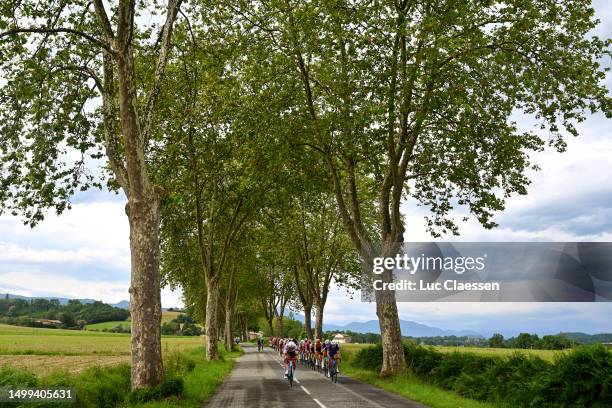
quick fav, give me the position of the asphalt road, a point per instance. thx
(257, 381)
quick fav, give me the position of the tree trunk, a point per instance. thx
(145, 296)
(246, 328)
(229, 340)
(281, 325)
(394, 361)
(308, 321)
(319, 321)
(212, 335)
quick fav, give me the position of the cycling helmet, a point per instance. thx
(334, 342)
(291, 346)
(327, 342)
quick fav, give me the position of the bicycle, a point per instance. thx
(290, 373)
(325, 368)
(333, 371)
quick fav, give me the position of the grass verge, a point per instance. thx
(189, 380)
(408, 386)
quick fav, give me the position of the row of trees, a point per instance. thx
(72, 314)
(265, 147)
(532, 341)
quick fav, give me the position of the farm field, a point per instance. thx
(548, 355)
(41, 349)
(166, 317)
(107, 325)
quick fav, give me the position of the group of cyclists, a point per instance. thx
(320, 354)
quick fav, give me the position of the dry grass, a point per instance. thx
(72, 364)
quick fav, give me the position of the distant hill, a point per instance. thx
(124, 304)
(585, 338)
(409, 328)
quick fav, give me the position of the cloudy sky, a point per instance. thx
(84, 253)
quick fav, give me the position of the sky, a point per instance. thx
(84, 253)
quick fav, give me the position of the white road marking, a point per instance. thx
(319, 402)
(304, 389)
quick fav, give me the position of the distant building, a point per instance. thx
(49, 322)
(255, 335)
(342, 338)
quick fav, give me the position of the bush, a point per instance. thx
(13, 377)
(581, 378)
(171, 385)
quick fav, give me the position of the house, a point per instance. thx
(342, 338)
(49, 322)
(255, 335)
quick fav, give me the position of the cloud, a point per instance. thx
(83, 253)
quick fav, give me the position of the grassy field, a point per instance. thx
(107, 325)
(166, 318)
(548, 355)
(43, 349)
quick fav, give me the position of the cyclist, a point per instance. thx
(291, 354)
(333, 352)
(318, 349)
(325, 352)
(301, 350)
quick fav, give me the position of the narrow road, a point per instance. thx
(257, 381)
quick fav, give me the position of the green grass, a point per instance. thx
(16, 340)
(107, 325)
(414, 389)
(166, 318)
(201, 383)
(548, 355)
(407, 385)
(110, 386)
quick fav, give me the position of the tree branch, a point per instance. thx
(60, 30)
(171, 13)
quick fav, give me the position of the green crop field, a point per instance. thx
(548, 355)
(166, 317)
(44, 349)
(107, 325)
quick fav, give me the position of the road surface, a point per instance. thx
(257, 381)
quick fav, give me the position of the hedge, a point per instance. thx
(579, 378)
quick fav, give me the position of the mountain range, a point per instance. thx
(409, 328)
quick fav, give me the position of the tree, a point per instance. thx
(323, 251)
(55, 60)
(221, 170)
(497, 340)
(410, 98)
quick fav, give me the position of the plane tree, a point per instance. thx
(417, 99)
(322, 251)
(79, 86)
(222, 168)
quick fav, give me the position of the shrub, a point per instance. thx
(580, 378)
(171, 385)
(13, 377)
